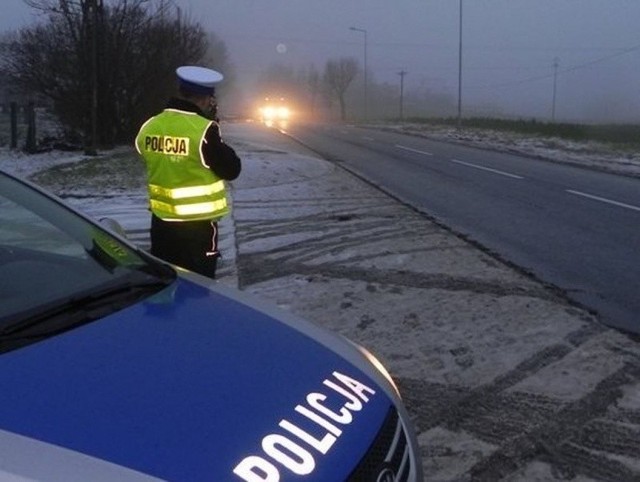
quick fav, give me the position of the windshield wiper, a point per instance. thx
(80, 308)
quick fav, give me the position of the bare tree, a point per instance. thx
(338, 75)
(105, 65)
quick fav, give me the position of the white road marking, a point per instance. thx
(368, 138)
(604, 200)
(495, 171)
(413, 150)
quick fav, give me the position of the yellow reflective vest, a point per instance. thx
(181, 186)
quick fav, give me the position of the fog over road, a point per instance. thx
(575, 228)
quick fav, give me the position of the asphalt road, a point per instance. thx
(575, 228)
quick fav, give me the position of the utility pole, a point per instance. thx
(460, 69)
(364, 31)
(402, 73)
(556, 63)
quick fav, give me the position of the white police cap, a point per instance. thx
(199, 80)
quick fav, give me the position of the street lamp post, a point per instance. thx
(365, 67)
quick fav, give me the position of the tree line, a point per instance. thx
(104, 66)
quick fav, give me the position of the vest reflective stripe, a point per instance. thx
(190, 209)
(186, 192)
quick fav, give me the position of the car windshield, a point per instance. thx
(54, 261)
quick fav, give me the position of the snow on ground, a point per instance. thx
(24, 165)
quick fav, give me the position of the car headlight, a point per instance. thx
(268, 112)
(283, 113)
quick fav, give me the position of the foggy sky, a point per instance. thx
(508, 47)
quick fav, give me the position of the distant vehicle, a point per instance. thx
(115, 366)
(275, 110)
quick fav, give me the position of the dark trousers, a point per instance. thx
(189, 244)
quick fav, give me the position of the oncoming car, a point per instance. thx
(275, 111)
(115, 366)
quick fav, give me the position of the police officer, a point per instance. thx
(187, 166)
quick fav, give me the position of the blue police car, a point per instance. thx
(114, 366)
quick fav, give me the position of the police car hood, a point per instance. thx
(191, 382)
